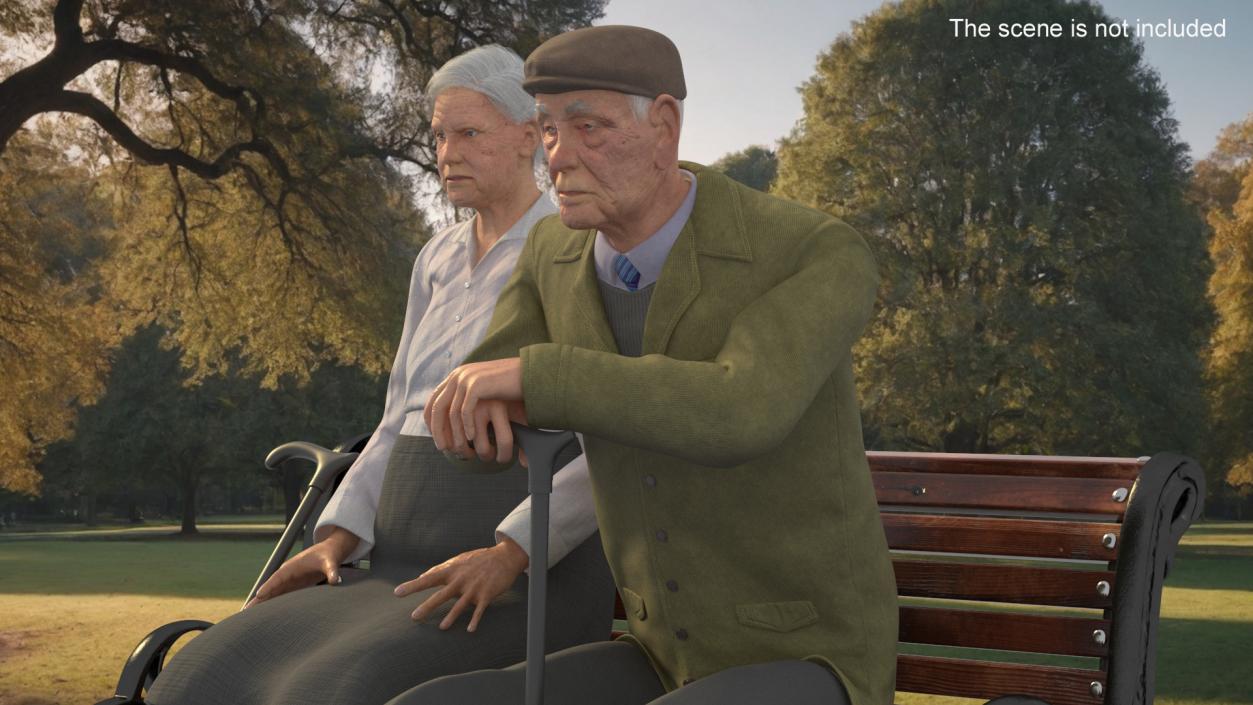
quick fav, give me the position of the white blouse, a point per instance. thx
(450, 306)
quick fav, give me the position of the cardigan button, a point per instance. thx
(681, 634)
(672, 585)
(662, 536)
(688, 680)
(650, 480)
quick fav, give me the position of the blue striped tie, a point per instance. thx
(626, 272)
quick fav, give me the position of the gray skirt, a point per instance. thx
(355, 642)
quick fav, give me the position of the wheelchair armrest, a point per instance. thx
(1016, 700)
(147, 660)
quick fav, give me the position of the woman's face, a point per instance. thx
(482, 157)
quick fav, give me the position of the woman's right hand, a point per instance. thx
(309, 567)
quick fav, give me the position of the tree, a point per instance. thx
(754, 166)
(154, 425)
(1224, 189)
(1043, 274)
(53, 334)
(256, 163)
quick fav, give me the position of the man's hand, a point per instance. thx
(476, 576)
(452, 413)
(309, 567)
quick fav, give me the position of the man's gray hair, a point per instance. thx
(640, 105)
(492, 70)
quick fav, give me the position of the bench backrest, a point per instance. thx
(1000, 559)
(1032, 575)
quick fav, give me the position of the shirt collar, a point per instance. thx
(650, 255)
(543, 206)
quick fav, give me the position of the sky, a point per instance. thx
(745, 59)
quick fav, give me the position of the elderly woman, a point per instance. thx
(364, 637)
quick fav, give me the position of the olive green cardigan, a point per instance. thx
(731, 485)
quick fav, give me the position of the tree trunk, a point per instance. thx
(961, 436)
(190, 483)
(87, 509)
(293, 483)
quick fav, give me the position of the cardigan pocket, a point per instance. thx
(777, 616)
(633, 603)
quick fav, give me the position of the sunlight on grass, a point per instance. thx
(70, 648)
(72, 610)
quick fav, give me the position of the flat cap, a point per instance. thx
(619, 58)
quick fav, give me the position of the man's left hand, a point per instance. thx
(450, 411)
(472, 578)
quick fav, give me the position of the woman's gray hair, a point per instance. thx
(492, 70)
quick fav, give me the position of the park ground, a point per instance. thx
(74, 602)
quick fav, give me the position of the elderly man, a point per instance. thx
(698, 334)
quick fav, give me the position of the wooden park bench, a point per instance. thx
(1022, 578)
(1072, 550)
(1032, 576)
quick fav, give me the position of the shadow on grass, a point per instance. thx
(1195, 570)
(243, 532)
(1204, 660)
(201, 567)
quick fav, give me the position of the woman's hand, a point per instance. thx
(473, 578)
(309, 567)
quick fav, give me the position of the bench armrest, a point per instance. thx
(147, 660)
(1166, 498)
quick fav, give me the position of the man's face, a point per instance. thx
(481, 155)
(600, 157)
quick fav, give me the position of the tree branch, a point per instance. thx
(65, 24)
(90, 107)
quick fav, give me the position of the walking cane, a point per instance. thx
(541, 449)
(330, 464)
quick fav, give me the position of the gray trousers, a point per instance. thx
(617, 673)
(354, 644)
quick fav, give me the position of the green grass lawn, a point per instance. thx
(74, 603)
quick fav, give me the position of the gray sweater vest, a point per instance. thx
(626, 311)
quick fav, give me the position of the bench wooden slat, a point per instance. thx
(1072, 636)
(984, 679)
(1032, 465)
(1074, 540)
(1003, 583)
(1046, 494)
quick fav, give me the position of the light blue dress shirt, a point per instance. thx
(648, 256)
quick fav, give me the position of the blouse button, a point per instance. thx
(457, 318)
(467, 285)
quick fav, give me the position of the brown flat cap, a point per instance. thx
(612, 58)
